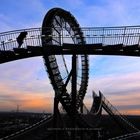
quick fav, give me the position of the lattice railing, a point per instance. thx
(126, 35)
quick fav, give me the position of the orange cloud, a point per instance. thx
(37, 95)
(37, 101)
(132, 112)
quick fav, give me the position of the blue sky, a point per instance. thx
(25, 82)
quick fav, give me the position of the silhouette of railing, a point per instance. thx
(111, 110)
(8, 40)
(128, 136)
(126, 35)
(25, 43)
(28, 129)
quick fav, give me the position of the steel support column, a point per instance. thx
(74, 93)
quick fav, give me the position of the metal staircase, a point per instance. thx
(117, 116)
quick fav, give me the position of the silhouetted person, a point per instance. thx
(20, 38)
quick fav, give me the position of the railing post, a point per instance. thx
(124, 35)
(139, 40)
(103, 37)
(74, 93)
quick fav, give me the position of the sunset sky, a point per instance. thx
(26, 83)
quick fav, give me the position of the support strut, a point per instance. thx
(74, 93)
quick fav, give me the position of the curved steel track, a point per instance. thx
(113, 112)
(57, 22)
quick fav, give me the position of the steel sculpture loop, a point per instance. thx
(56, 24)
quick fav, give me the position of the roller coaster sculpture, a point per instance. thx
(61, 38)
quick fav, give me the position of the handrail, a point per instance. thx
(126, 35)
(27, 129)
(108, 106)
(111, 110)
(126, 136)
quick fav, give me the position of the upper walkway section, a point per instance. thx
(98, 40)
